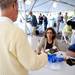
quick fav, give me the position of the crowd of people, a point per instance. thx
(43, 20)
(49, 39)
(34, 23)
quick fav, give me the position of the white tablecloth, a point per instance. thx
(62, 69)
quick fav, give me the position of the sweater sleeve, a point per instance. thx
(26, 56)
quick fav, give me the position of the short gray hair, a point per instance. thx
(6, 3)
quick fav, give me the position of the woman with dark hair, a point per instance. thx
(48, 41)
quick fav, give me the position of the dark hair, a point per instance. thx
(6, 3)
(53, 31)
(71, 23)
(31, 13)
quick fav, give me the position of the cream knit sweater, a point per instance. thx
(16, 55)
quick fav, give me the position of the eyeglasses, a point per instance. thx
(49, 33)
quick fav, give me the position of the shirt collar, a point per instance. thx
(3, 19)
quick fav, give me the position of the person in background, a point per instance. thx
(33, 23)
(66, 33)
(40, 19)
(72, 24)
(59, 21)
(45, 22)
(16, 55)
(71, 50)
(66, 17)
(48, 41)
(33, 19)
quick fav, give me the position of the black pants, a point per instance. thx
(45, 27)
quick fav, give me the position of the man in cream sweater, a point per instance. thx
(16, 56)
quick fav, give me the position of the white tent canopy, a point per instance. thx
(50, 5)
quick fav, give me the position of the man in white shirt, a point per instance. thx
(16, 56)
